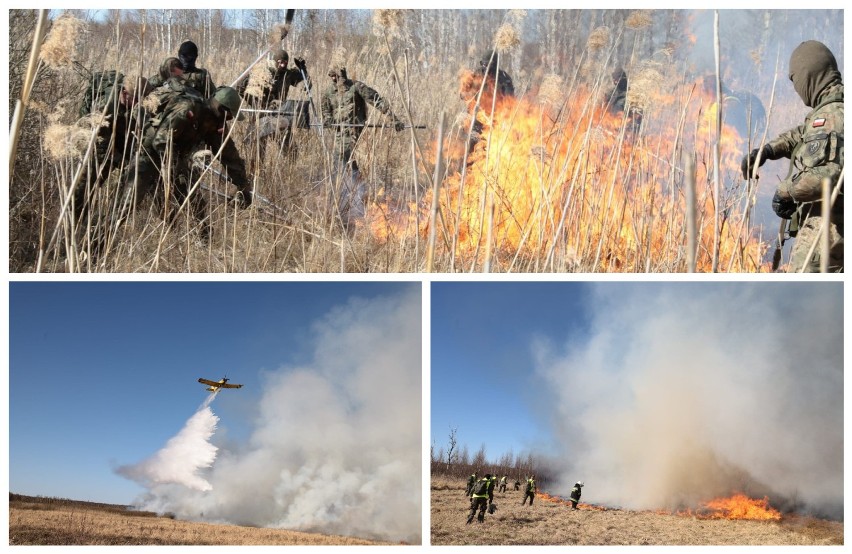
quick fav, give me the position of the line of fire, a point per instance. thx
(557, 178)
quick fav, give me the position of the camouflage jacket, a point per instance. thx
(348, 104)
(188, 125)
(121, 122)
(815, 149)
(280, 87)
(199, 79)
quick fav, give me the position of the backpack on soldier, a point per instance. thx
(101, 86)
(161, 100)
(481, 487)
(173, 88)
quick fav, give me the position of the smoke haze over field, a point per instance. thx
(686, 392)
(335, 447)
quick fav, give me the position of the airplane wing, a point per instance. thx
(230, 386)
(208, 382)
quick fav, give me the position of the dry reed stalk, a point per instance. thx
(691, 229)
(436, 187)
(717, 147)
(29, 80)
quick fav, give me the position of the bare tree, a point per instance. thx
(451, 448)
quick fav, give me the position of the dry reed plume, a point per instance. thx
(59, 48)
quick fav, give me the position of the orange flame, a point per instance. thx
(738, 506)
(582, 185)
(565, 502)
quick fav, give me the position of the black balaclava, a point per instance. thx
(188, 53)
(813, 68)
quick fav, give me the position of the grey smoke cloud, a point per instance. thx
(690, 391)
(336, 444)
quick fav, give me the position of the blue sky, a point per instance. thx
(482, 379)
(103, 374)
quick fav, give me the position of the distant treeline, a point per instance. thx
(516, 467)
(52, 502)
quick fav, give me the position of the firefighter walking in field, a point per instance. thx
(344, 108)
(529, 491)
(815, 150)
(481, 498)
(503, 484)
(576, 492)
(470, 482)
(183, 125)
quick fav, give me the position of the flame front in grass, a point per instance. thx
(569, 185)
(563, 502)
(740, 506)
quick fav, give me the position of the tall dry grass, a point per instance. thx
(299, 229)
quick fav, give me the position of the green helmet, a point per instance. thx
(229, 99)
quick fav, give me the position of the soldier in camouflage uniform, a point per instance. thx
(815, 150)
(114, 144)
(344, 107)
(281, 79)
(274, 95)
(187, 124)
(197, 77)
(171, 68)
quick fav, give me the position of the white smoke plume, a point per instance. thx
(336, 444)
(183, 457)
(685, 392)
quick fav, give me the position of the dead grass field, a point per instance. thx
(548, 523)
(35, 522)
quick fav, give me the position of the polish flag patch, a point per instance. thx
(819, 122)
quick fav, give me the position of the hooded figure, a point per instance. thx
(196, 77)
(815, 150)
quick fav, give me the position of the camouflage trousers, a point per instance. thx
(529, 495)
(808, 235)
(145, 179)
(478, 503)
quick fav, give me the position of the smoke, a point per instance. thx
(687, 392)
(183, 457)
(335, 446)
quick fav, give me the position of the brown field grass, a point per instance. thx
(548, 523)
(45, 521)
(552, 215)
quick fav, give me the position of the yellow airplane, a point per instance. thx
(216, 385)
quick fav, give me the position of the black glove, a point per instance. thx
(243, 198)
(398, 125)
(300, 64)
(783, 207)
(750, 160)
